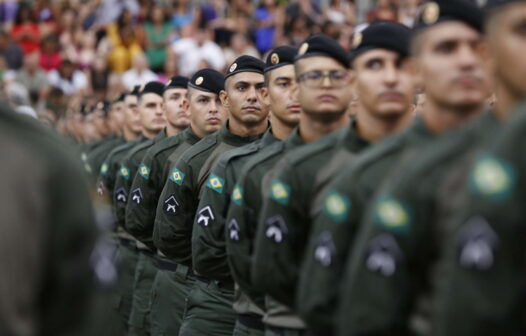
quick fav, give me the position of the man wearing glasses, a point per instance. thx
(322, 69)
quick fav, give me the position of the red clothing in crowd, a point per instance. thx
(27, 36)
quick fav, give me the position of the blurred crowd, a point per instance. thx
(59, 58)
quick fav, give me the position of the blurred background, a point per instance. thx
(58, 58)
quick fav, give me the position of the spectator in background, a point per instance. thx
(407, 12)
(239, 45)
(123, 53)
(158, 35)
(384, 11)
(18, 97)
(8, 9)
(183, 14)
(269, 20)
(10, 51)
(139, 74)
(99, 78)
(110, 10)
(307, 10)
(67, 33)
(87, 52)
(170, 69)
(341, 12)
(193, 52)
(33, 78)
(50, 58)
(297, 31)
(26, 31)
(70, 80)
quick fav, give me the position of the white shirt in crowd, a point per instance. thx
(78, 81)
(132, 77)
(191, 54)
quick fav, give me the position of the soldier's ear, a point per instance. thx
(223, 96)
(413, 65)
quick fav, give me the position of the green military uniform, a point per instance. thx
(126, 255)
(484, 254)
(242, 217)
(176, 210)
(397, 251)
(96, 157)
(284, 221)
(336, 216)
(47, 232)
(208, 239)
(144, 271)
(167, 296)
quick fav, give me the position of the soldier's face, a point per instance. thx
(450, 66)
(176, 112)
(131, 113)
(323, 87)
(117, 114)
(243, 98)
(281, 96)
(207, 114)
(384, 83)
(507, 44)
(151, 110)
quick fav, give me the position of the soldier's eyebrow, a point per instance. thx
(283, 78)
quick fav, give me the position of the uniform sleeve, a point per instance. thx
(68, 285)
(140, 210)
(332, 233)
(175, 214)
(121, 192)
(278, 252)
(208, 238)
(384, 269)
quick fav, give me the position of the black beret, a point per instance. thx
(134, 91)
(177, 82)
(382, 35)
(152, 87)
(208, 80)
(245, 63)
(119, 98)
(323, 45)
(494, 4)
(102, 106)
(438, 11)
(279, 57)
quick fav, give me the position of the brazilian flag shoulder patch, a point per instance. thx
(177, 176)
(392, 214)
(124, 172)
(144, 171)
(337, 206)
(216, 183)
(492, 177)
(237, 195)
(280, 192)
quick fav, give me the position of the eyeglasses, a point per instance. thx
(315, 78)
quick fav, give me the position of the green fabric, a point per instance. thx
(284, 332)
(304, 173)
(490, 299)
(180, 196)
(150, 179)
(96, 157)
(208, 241)
(208, 311)
(397, 248)
(129, 166)
(110, 166)
(243, 212)
(127, 258)
(332, 232)
(47, 232)
(168, 301)
(145, 272)
(156, 52)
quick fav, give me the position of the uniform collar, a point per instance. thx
(294, 139)
(235, 140)
(189, 135)
(350, 138)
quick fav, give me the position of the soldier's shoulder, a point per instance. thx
(263, 155)
(202, 147)
(310, 151)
